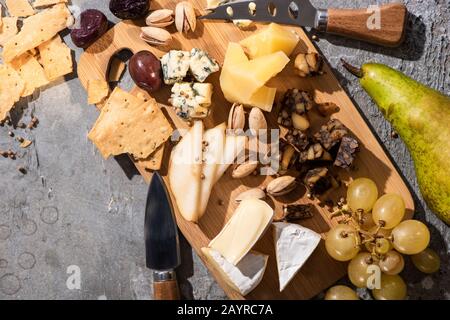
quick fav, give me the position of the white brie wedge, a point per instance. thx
(294, 244)
(245, 276)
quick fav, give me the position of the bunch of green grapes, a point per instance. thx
(372, 232)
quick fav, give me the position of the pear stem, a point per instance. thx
(352, 69)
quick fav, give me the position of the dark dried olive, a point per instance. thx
(129, 9)
(93, 24)
(145, 70)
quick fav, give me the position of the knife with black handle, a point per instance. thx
(381, 24)
(161, 241)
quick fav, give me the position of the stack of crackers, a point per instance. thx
(35, 55)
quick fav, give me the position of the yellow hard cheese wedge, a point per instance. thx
(243, 80)
(272, 39)
(243, 230)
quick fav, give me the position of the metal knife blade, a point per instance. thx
(297, 12)
(161, 233)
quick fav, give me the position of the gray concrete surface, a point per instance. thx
(75, 209)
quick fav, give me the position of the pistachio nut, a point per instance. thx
(244, 170)
(255, 193)
(156, 36)
(236, 118)
(185, 17)
(256, 120)
(160, 18)
(281, 186)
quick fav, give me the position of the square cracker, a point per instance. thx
(19, 8)
(45, 3)
(8, 29)
(31, 73)
(126, 125)
(154, 161)
(56, 58)
(98, 91)
(11, 88)
(36, 30)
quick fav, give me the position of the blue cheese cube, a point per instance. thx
(191, 100)
(175, 66)
(202, 65)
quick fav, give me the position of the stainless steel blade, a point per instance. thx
(296, 12)
(161, 233)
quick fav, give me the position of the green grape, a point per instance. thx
(357, 269)
(392, 263)
(392, 288)
(381, 233)
(390, 210)
(427, 261)
(382, 246)
(411, 237)
(362, 194)
(342, 242)
(341, 293)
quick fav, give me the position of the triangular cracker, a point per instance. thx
(126, 125)
(19, 8)
(31, 73)
(8, 30)
(56, 58)
(11, 88)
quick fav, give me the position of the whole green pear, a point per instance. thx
(421, 116)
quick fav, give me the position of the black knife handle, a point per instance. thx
(165, 286)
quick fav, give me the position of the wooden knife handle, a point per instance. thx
(166, 290)
(362, 24)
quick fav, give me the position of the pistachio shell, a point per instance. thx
(281, 186)
(160, 18)
(256, 120)
(185, 17)
(156, 36)
(236, 118)
(244, 170)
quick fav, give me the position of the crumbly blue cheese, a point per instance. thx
(191, 100)
(175, 66)
(202, 65)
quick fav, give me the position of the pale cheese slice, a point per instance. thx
(234, 149)
(213, 145)
(294, 244)
(243, 230)
(185, 169)
(245, 276)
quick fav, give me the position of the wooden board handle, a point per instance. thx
(166, 290)
(361, 24)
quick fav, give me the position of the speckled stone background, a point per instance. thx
(75, 209)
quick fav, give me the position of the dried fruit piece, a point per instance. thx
(331, 134)
(288, 159)
(318, 181)
(93, 24)
(281, 186)
(346, 154)
(309, 64)
(295, 212)
(129, 9)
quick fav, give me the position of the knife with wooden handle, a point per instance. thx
(381, 24)
(161, 241)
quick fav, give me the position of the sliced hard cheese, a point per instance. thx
(263, 98)
(293, 246)
(234, 148)
(213, 145)
(243, 230)
(185, 171)
(245, 276)
(272, 39)
(234, 55)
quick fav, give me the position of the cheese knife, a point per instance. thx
(161, 241)
(381, 24)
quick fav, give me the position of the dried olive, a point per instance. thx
(93, 24)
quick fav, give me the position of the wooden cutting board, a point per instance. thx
(320, 271)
